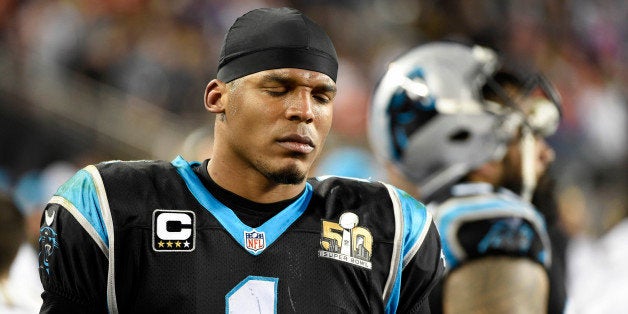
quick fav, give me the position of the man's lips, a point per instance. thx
(297, 143)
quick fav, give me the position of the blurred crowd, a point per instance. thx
(162, 53)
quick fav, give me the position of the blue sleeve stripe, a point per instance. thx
(83, 222)
(416, 225)
(86, 192)
(79, 192)
(105, 211)
(412, 222)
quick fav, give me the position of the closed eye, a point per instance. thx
(324, 94)
(276, 93)
(275, 90)
(323, 99)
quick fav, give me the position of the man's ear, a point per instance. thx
(215, 96)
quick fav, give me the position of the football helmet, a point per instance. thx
(430, 118)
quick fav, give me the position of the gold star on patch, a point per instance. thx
(169, 243)
(177, 244)
(160, 243)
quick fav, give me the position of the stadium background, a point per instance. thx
(83, 81)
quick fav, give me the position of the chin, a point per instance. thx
(293, 172)
(287, 176)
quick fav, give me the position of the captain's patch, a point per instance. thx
(174, 230)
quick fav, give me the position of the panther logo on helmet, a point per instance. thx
(429, 116)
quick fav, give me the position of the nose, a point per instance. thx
(300, 107)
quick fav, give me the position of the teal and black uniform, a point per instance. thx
(152, 236)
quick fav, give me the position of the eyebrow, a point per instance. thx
(284, 80)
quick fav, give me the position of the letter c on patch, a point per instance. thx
(183, 234)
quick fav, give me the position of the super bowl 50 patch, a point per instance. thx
(174, 230)
(344, 241)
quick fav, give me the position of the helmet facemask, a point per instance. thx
(536, 106)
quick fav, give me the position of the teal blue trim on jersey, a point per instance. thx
(542, 256)
(447, 219)
(81, 192)
(271, 229)
(514, 200)
(510, 207)
(415, 223)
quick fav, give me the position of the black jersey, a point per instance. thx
(149, 237)
(477, 222)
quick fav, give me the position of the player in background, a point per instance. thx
(465, 135)
(244, 231)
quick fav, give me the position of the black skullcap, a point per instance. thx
(274, 38)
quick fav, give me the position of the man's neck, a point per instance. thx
(251, 184)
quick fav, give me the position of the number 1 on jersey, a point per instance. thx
(254, 294)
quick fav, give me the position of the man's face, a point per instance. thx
(277, 121)
(541, 119)
(511, 165)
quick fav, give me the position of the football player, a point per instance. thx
(244, 231)
(465, 134)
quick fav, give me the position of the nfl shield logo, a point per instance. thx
(254, 241)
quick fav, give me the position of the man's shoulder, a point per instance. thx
(348, 186)
(492, 201)
(132, 164)
(372, 196)
(341, 179)
(330, 182)
(489, 207)
(133, 168)
(492, 223)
